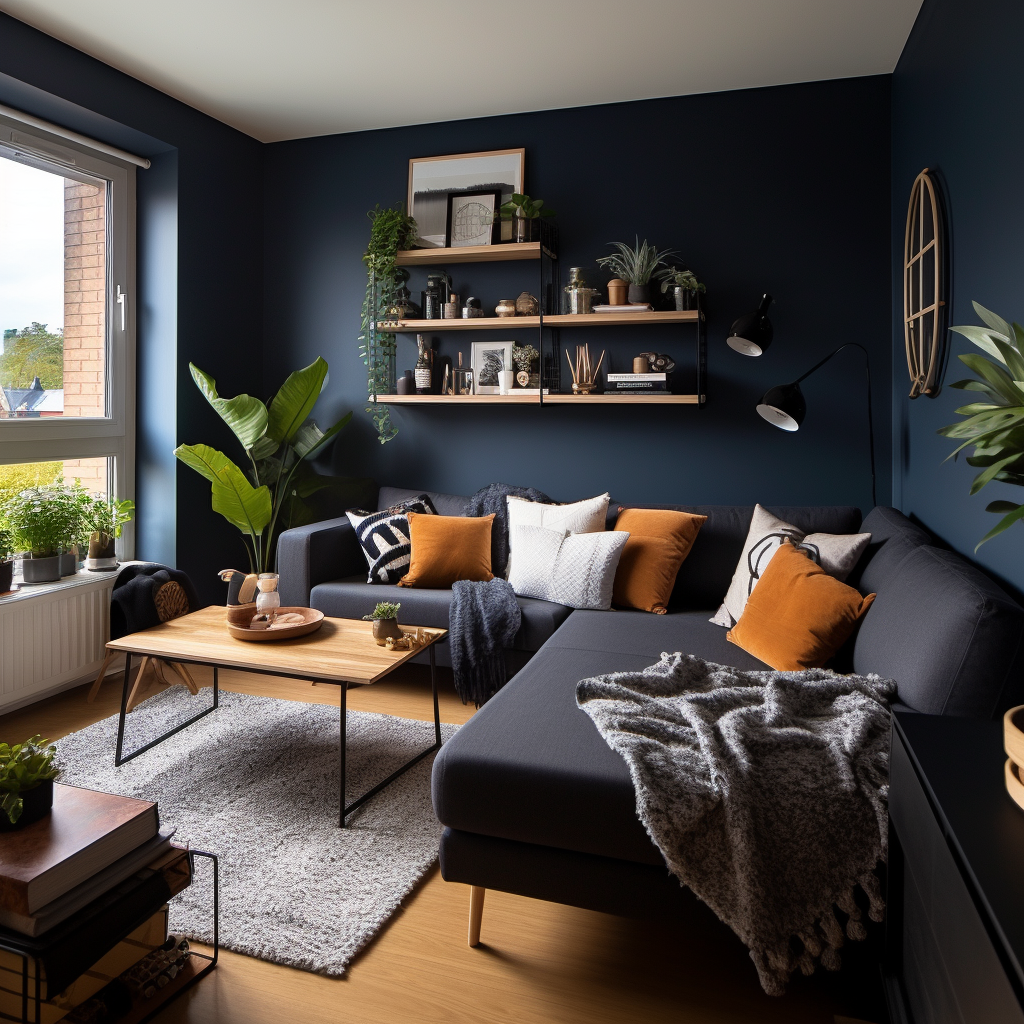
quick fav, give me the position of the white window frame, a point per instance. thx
(52, 439)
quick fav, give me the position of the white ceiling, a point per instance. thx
(314, 67)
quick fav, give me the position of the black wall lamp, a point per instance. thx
(752, 334)
(783, 406)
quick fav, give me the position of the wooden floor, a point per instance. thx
(539, 963)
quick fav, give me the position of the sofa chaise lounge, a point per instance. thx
(533, 800)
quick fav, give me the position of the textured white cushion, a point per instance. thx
(836, 553)
(575, 569)
(587, 516)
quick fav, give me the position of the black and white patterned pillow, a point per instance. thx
(384, 537)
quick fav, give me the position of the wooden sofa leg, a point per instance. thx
(476, 912)
(99, 679)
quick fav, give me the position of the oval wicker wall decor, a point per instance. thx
(924, 297)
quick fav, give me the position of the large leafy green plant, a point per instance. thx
(391, 229)
(23, 767)
(994, 425)
(277, 439)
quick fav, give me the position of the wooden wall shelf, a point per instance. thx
(471, 254)
(507, 323)
(514, 399)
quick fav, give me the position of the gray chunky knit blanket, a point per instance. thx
(766, 793)
(493, 498)
(482, 623)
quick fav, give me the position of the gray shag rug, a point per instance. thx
(256, 783)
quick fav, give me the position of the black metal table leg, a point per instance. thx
(436, 745)
(341, 753)
(119, 756)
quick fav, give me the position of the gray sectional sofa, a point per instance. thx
(532, 799)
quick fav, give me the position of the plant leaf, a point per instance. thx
(1002, 506)
(246, 507)
(1004, 524)
(310, 437)
(994, 375)
(989, 474)
(245, 415)
(994, 320)
(293, 403)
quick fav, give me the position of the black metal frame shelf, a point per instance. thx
(550, 323)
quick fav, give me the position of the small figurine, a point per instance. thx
(527, 304)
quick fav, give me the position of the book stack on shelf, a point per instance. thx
(83, 911)
(635, 383)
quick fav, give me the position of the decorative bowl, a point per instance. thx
(312, 620)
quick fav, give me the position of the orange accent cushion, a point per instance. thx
(797, 616)
(448, 548)
(659, 541)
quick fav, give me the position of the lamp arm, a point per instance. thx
(871, 428)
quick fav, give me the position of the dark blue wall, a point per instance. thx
(200, 253)
(785, 190)
(958, 95)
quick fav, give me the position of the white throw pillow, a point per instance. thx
(575, 569)
(588, 516)
(836, 553)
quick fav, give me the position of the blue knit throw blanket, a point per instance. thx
(484, 620)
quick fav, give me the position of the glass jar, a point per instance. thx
(268, 600)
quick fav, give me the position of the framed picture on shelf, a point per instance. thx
(489, 358)
(431, 178)
(473, 218)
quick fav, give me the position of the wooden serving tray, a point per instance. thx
(312, 621)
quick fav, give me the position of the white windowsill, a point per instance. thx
(83, 578)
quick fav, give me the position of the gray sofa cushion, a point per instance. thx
(353, 598)
(705, 575)
(446, 504)
(946, 633)
(893, 537)
(530, 766)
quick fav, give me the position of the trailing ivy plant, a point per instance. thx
(994, 425)
(391, 229)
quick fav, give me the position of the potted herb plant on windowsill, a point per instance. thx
(105, 521)
(635, 265)
(27, 772)
(42, 520)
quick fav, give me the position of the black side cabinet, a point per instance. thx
(955, 933)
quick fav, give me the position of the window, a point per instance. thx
(67, 355)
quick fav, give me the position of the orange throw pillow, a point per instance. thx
(448, 548)
(659, 541)
(797, 616)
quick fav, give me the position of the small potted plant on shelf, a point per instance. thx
(525, 214)
(105, 521)
(636, 265)
(42, 521)
(27, 772)
(6, 561)
(683, 284)
(385, 621)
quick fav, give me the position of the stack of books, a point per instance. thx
(635, 383)
(83, 895)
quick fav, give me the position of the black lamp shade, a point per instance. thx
(752, 334)
(783, 406)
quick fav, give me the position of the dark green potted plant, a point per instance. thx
(636, 265)
(525, 214)
(27, 772)
(994, 424)
(385, 621)
(683, 285)
(104, 524)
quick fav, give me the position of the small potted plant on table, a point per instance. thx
(385, 621)
(27, 772)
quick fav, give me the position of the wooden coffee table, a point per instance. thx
(342, 652)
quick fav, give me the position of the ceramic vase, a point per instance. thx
(383, 628)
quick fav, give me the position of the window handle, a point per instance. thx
(122, 301)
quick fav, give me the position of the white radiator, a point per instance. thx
(52, 637)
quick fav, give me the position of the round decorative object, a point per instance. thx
(527, 304)
(924, 287)
(523, 378)
(309, 620)
(171, 601)
(506, 307)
